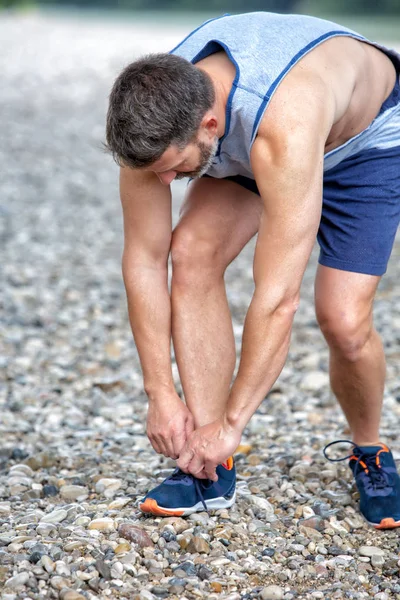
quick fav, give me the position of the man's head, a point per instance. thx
(159, 114)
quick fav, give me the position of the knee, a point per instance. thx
(345, 332)
(195, 257)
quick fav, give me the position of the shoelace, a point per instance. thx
(379, 478)
(179, 475)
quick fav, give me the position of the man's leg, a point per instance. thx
(218, 218)
(344, 303)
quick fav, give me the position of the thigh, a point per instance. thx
(361, 211)
(344, 299)
(219, 213)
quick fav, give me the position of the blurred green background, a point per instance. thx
(351, 7)
(370, 17)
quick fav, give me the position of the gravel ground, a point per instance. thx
(74, 457)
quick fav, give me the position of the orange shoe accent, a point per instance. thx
(150, 506)
(384, 449)
(388, 523)
(228, 464)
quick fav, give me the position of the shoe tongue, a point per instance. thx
(370, 450)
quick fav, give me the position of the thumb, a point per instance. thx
(178, 442)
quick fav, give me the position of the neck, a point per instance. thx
(222, 73)
(221, 100)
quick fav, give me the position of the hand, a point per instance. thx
(169, 424)
(208, 447)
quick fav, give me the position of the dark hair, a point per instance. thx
(156, 101)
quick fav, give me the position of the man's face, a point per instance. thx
(193, 161)
(207, 153)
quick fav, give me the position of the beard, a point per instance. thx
(207, 154)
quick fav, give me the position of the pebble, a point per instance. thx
(272, 592)
(370, 551)
(135, 534)
(74, 492)
(198, 544)
(50, 490)
(262, 503)
(378, 560)
(119, 503)
(314, 381)
(56, 516)
(103, 524)
(71, 595)
(108, 486)
(313, 522)
(18, 580)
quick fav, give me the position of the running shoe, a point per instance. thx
(377, 481)
(181, 494)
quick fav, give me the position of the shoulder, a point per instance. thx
(302, 108)
(294, 129)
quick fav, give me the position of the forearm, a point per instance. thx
(149, 309)
(265, 345)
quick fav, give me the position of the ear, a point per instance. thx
(209, 125)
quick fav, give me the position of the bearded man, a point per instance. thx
(289, 127)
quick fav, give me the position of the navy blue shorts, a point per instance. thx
(361, 204)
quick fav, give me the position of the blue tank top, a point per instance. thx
(263, 47)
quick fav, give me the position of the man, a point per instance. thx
(295, 123)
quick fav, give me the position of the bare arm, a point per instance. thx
(146, 205)
(287, 163)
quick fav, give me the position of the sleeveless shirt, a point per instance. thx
(264, 47)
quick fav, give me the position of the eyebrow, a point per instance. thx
(173, 168)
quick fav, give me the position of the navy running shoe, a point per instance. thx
(377, 481)
(181, 494)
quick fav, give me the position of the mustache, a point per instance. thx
(189, 174)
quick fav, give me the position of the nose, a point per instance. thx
(167, 177)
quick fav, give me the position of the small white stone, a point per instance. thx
(377, 560)
(5, 508)
(47, 563)
(62, 569)
(74, 492)
(18, 580)
(106, 482)
(55, 517)
(370, 551)
(262, 503)
(119, 503)
(117, 570)
(314, 381)
(103, 524)
(23, 469)
(45, 529)
(19, 479)
(82, 521)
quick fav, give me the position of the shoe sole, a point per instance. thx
(388, 523)
(150, 506)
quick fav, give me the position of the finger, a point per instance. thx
(184, 458)
(196, 465)
(201, 475)
(169, 445)
(156, 446)
(161, 444)
(178, 443)
(210, 470)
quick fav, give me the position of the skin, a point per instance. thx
(342, 84)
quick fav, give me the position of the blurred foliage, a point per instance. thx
(316, 7)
